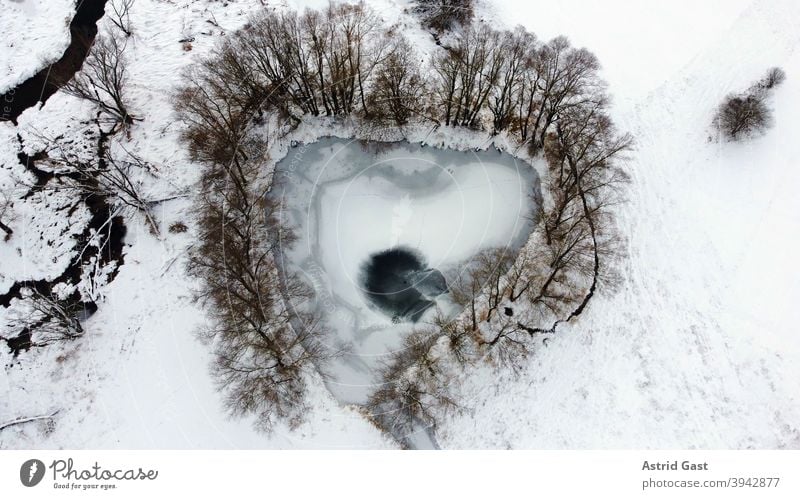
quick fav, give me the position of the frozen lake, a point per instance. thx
(381, 226)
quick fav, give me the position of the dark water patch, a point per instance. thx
(42, 85)
(20, 342)
(399, 283)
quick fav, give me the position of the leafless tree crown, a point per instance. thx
(745, 114)
(103, 78)
(444, 15)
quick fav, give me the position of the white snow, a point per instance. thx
(640, 44)
(698, 347)
(44, 222)
(140, 376)
(35, 34)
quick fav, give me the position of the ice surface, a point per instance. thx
(350, 201)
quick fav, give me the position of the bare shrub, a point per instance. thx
(51, 318)
(774, 77)
(444, 15)
(742, 115)
(747, 114)
(178, 228)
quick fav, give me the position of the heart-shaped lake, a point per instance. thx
(382, 227)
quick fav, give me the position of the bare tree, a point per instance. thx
(337, 62)
(273, 50)
(354, 50)
(398, 93)
(573, 247)
(510, 88)
(122, 179)
(465, 290)
(103, 78)
(447, 69)
(217, 104)
(467, 74)
(584, 183)
(415, 387)
(524, 87)
(319, 62)
(479, 284)
(568, 77)
(120, 15)
(265, 346)
(462, 341)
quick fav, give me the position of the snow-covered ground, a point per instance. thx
(698, 348)
(35, 34)
(140, 377)
(349, 201)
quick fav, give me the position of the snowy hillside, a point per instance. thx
(696, 347)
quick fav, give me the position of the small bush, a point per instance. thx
(747, 114)
(444, 15)
(178, 228)
(742, 115)
(774, 77)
